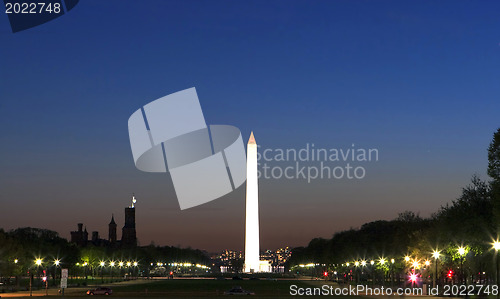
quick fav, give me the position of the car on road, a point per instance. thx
(100, 291)
(238, 291)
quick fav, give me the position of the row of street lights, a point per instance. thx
(415, 263)
(436, 254)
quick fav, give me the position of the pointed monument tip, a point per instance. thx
(251, 140)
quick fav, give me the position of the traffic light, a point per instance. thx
(325, 274)
(450, 274)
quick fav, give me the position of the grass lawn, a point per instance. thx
(209, 288)
(181, 287)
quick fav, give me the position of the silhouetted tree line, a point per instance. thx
(20, 248)
(472, 221)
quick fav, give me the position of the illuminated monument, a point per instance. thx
(252, 247)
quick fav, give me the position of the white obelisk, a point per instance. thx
(252, 248)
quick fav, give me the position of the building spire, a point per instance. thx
(112, 219)
(251, 140)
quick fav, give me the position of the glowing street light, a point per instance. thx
(102, 264)
(120, 264)
(407, 258)
(372, 262)
(135, 264)
(427, 263)
(392, 261)
(461, 250)
(363, 263)
(415, 264)
(16, 261)
(356, 263)
(347, 264)
(129, 264)
(436, 254)
(38, 262)
(57, 262)
(382, 261)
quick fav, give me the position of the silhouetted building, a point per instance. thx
(112, 230)
(85, 236)
(128, 231)
(95, 237)
(129, 238)
(80, 237)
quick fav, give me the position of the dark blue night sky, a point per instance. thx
(417, 80)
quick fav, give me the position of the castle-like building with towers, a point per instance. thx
(129, 237)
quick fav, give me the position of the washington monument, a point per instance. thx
(252, 246)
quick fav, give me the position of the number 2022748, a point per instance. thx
(32, 8)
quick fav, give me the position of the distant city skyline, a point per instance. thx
(416, 81)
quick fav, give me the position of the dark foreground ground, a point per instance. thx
(203, 287)
(185, 288)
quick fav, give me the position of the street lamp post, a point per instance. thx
(372, 263)
(112, 264)
(436, 255)
(496, 246)
(461, 251)
(382, 262)
(120, 264)
(129, 264)
(392, 272)
(427, 263)
(38, 263)
(17, 276)
(45, 278)
(102, 264)
(349, 273)
(356, 264)
(31, 281)
(406, 269)
(57, 262)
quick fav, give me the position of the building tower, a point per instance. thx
(128, 231)
(252, 247)
(95, 237)
(85, 236)
(80, 237)
(112, 230)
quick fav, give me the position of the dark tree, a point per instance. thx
(494, 173)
